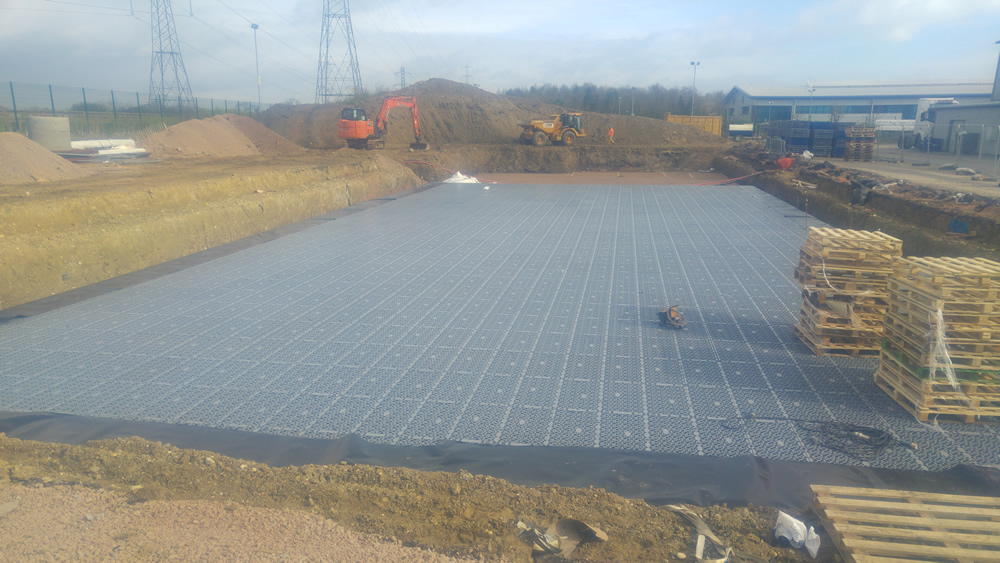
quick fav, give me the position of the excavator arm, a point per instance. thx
(383, 116)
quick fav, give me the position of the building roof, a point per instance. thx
(949, 107)
(918, 88)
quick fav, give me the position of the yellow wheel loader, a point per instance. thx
(562, 129)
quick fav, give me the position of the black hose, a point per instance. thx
(863, 443)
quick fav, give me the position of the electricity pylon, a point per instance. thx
(168, 79)
(338, 77)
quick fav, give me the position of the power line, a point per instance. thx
(234, 11)
(311, 58)
(422, 26)
(227, 64)
(89, 6)
(289, 22)
(13, 8)
(240, 70)
(337, 80)
(249, 49)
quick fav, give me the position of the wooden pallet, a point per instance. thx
(824, 296)
(828, 239)
(841, 317)
(823, 346)
(856, 280)
(933, 275)
(985, 391)
(971, 403)
(854, 132)
(886, 525)
(924, 372)
(921, 344)
(842, 259)
(976, 339)
(918, 353)
(957, 301)
(920, 316)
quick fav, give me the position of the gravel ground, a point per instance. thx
(78, 523)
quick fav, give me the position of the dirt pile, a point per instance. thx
(23, 161)
(455, 113)
(73, 522)
(219, 137)
(456, 513)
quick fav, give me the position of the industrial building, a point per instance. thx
(846, 102)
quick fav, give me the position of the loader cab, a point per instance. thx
(353, 114)
(572, 120)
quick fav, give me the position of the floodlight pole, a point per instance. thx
(694, 83)
(256, 62)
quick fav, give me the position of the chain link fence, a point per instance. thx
(95, 113)
(975, 146)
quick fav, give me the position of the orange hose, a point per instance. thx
(729, 180)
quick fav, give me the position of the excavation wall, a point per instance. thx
(54, 240)
(923, 226)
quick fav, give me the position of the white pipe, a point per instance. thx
(996, 155)
(982, 137)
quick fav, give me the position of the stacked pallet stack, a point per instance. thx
(844, 276)
(943, 311)
(798, 136)
(860, 144)
(821, 140)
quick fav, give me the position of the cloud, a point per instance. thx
(895, 20)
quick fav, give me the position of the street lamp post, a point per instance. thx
(811, 90)
(694, 83)
(256, 60)
(619, 105)
(633, 101)
(769, 111)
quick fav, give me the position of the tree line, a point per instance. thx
(653, 101)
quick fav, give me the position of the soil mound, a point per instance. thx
(218, 137)
(23, 161)
(267, 141)
(455, 113)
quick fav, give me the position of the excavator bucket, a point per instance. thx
(419, 146)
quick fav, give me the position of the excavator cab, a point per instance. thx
(355, 128)
(353, 114)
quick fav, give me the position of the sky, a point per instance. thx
(106, 44)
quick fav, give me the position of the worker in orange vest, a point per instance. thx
(611, 135)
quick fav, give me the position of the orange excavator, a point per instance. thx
(357, 130)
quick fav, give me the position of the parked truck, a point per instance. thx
(914, 133)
